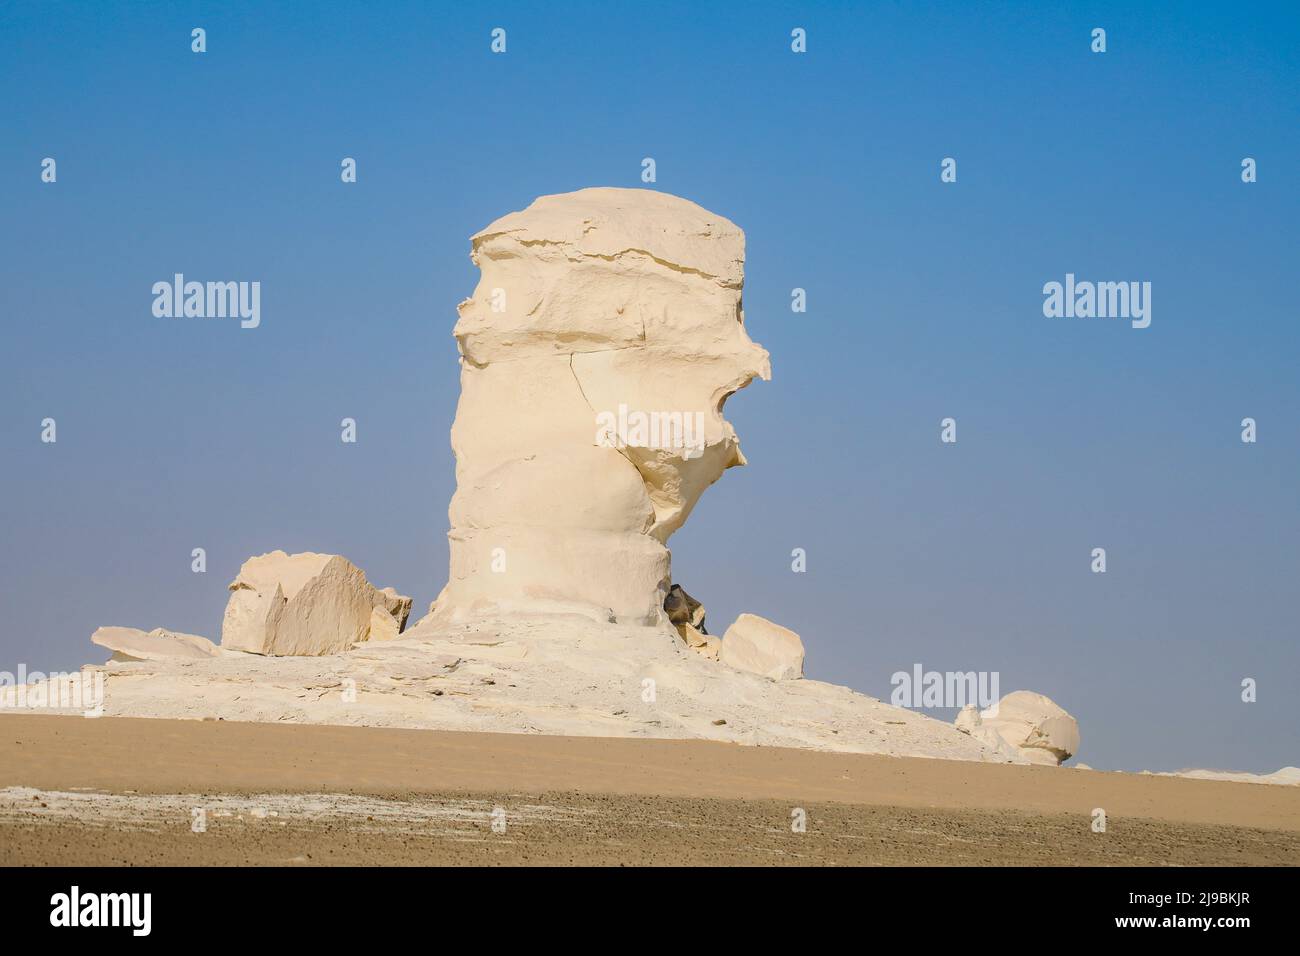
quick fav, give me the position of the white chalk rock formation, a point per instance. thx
(604, 335)
(968, 718)
(132, 644)
(596, 353)
(534, 675)
(303, 604)
(397, 605)
(700, 642)
(1284, 777)
(1032, 725)
(970, 722)
(757, 645)
(383, 626)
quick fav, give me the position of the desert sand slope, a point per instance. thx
(122, 791)
(1285, 777)
(152, 756)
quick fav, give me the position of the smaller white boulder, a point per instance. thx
(132, 644)
(1037, 727)
(756, 645)
(304, 605)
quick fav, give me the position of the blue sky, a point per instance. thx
(924, 301)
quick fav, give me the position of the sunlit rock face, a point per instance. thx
(604, 335)
(306, 604)
(1031, 725)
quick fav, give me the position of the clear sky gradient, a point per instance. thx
(924, 301)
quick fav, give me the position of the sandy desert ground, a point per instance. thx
(77, 791)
